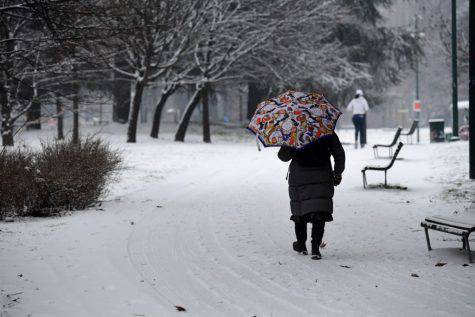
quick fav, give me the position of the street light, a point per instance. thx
(455, 120)
(472, 88)
(417, 103)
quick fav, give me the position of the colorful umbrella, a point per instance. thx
(294, 119)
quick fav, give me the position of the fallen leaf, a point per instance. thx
(179, 308)
(414, 275)
(440, 264)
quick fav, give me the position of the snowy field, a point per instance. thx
(206, 227)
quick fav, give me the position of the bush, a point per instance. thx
(61, 176)
(17, 182)
(73, 176)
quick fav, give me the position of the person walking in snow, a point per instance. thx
(311, 187)
(359, 106)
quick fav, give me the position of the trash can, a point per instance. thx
(436, 128)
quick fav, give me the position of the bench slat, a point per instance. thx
(451, 223)
(438, 227)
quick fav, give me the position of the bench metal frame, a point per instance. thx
(381, 168)
(411, 131)
(448, 227)
(389, 146)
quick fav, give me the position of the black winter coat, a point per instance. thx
(311, 183)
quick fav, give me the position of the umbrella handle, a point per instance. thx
(257, 143)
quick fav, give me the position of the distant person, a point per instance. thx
(359, 106)
(311, 187)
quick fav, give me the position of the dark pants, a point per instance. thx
(359, 121)
(318, 228)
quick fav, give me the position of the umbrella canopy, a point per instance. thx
(294, 119)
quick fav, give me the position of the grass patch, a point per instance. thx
(388, 186)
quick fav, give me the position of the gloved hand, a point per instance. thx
(336, 179)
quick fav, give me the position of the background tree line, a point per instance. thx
(50, 50)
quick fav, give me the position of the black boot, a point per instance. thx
(301, 235)
(316, 255)
(318, 228)
(300, 247)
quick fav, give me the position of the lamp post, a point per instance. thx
(471, 113)
(417, 103)
(455, 115)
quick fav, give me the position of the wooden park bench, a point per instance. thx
(411, 131)
(454, 226)
(389, 146)
(381, 168)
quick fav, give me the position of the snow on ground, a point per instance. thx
(206, 227)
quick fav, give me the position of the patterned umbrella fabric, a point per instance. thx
(294, 118)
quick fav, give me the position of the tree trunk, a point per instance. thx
(7, 133)
(60, 118)
(76, 113)
(256, 94)
(33, 115)
(6, 86)
(158, 111)
(6, 124)
(205, 121)
(121, 105)
(185, 119)
(134, 112)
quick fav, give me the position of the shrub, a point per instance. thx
(17, 181)
(73, 176)
(61, 176)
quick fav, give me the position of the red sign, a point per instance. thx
(417, 105)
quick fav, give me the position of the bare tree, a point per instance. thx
(262, 41)
(19, 65)
(38, 42)
(147, 39)
(230, 31)
(304, 48)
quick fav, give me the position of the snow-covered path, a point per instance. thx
(206, 227)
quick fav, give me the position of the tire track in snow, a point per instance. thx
(265, 286)
(238, 264)
(228, 273)
(149, 259)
